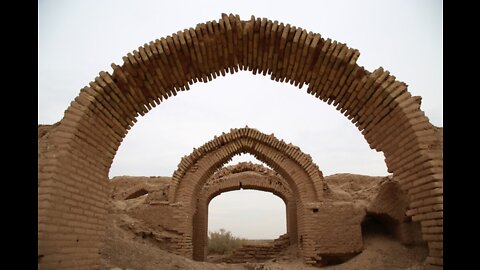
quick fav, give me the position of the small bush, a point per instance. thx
(223, 242)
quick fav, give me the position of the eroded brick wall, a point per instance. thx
(259, 253)
(332, 228)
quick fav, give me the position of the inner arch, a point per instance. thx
(244, 175)
(296, 167)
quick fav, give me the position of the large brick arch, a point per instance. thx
(73, 172)
(244, 175)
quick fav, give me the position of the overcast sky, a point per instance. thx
(78, 39)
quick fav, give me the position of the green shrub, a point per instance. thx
(223, 242)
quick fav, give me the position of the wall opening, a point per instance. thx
(378, 224)
(382, 232)
(258, 217)
(251, 214)
(137, 194)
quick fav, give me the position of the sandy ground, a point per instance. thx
(125, 250)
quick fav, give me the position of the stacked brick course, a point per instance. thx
(259, 253)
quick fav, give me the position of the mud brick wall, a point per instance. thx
(259, 253)
(332, 236)
(125, 187)
(71, 207)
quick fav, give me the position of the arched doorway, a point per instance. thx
(302, 175)
(240, 176)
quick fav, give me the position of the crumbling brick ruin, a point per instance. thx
(244, 175)
(76, 154)
(379, 198)
(341, 234)
(259, 253)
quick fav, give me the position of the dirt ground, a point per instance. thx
(126, 250)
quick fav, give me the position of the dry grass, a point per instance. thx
(223, 242)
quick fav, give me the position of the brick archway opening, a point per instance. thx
(300, 174)
(244, 175)
(259, 226)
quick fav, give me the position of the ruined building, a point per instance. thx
(75, 154)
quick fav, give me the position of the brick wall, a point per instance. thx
(259, 253)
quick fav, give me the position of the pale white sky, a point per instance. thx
(261, 216)
(78, 39)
